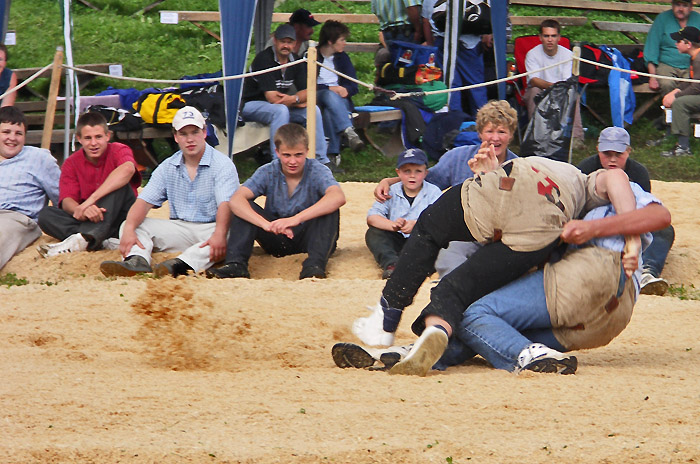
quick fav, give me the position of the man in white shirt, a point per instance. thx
(548, 53)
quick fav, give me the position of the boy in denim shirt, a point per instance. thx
(391, 222)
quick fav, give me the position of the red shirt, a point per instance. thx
(80, 178)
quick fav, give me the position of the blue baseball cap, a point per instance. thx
(412, 156)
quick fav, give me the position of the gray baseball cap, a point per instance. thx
(613, 139)
(285, 31)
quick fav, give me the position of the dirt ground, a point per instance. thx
(137, 370)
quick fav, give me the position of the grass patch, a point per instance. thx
(683, 292)
(11, 280)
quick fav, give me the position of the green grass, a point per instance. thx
(148, 49)
(11, 280)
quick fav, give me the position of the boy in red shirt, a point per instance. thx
(98, 185)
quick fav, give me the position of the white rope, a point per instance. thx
(629, 71)
(187, 81)
(352, 79)
(26, 81)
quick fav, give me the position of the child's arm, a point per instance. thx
(381, 192)
(383, 223)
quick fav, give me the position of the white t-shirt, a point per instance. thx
(538, 59)
(325, 77)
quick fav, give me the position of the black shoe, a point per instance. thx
(131, 266)
(173, 267)
(334, 169)
(312, 271)
(388, 271)
(350, 355)
(229, 271)
(676, 151)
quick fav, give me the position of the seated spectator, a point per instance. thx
(301, 214)
(333, 94)
(391, 222)
(660, 51)
(197, 182)
(98, 185)
(8, 78)
(28, 177)
(684, 101)
(303, 23)
(614, 153)
(548, 53)
(278, 97)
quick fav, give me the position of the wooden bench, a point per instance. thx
(390, 147)
(619, 7)
(83, 78)
(627, 29)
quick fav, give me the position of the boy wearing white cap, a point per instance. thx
(197, 182)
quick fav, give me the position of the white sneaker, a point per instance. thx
(652, 285)
(371, 329)
(75, 242)
(540, 358)
(110, 244)
(425, 353)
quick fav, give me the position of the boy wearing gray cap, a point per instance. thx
(391, 222)
(613, 152)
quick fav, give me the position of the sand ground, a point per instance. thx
(195, 370)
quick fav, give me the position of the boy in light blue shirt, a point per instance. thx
(391, 222)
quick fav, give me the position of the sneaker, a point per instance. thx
(229, 271)
(427, 350)
(676, 151)
(312, 271)
(172, 267)
(131, 266)
(110, 244)
(334, 168)
(354, 141)
(75, 242)
(388, 271)
(371, 329)
(350, 355)
(652, 285)
(540, 358)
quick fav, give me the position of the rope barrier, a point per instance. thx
(187, 81)
(26, 81)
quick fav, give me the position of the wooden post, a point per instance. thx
(311, 99)
(53, 96)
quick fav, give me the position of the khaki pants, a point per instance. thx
(17, 232)
(668, 85)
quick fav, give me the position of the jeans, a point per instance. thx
(654, 257)
(385, 245)
(469, 70)
(336, 117)
(318, 237)
(503, 323)
(277, 116)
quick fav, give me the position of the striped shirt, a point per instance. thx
(27, 179)
(392, 12)
(193, 200)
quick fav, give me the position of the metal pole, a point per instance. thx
(311, 99)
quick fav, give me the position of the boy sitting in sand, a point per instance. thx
(300, 215)
(391, 222)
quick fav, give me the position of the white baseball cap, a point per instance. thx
(188, 116)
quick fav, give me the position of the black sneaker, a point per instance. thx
(350, 355)
(308, 272)
(229, 271)
(131, 266)
(173, 267)
(388, 271)
(334, 168)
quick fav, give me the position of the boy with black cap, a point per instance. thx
(684, 100)
(391, 222)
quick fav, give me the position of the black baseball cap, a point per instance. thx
(302, 16)
(689, 33)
